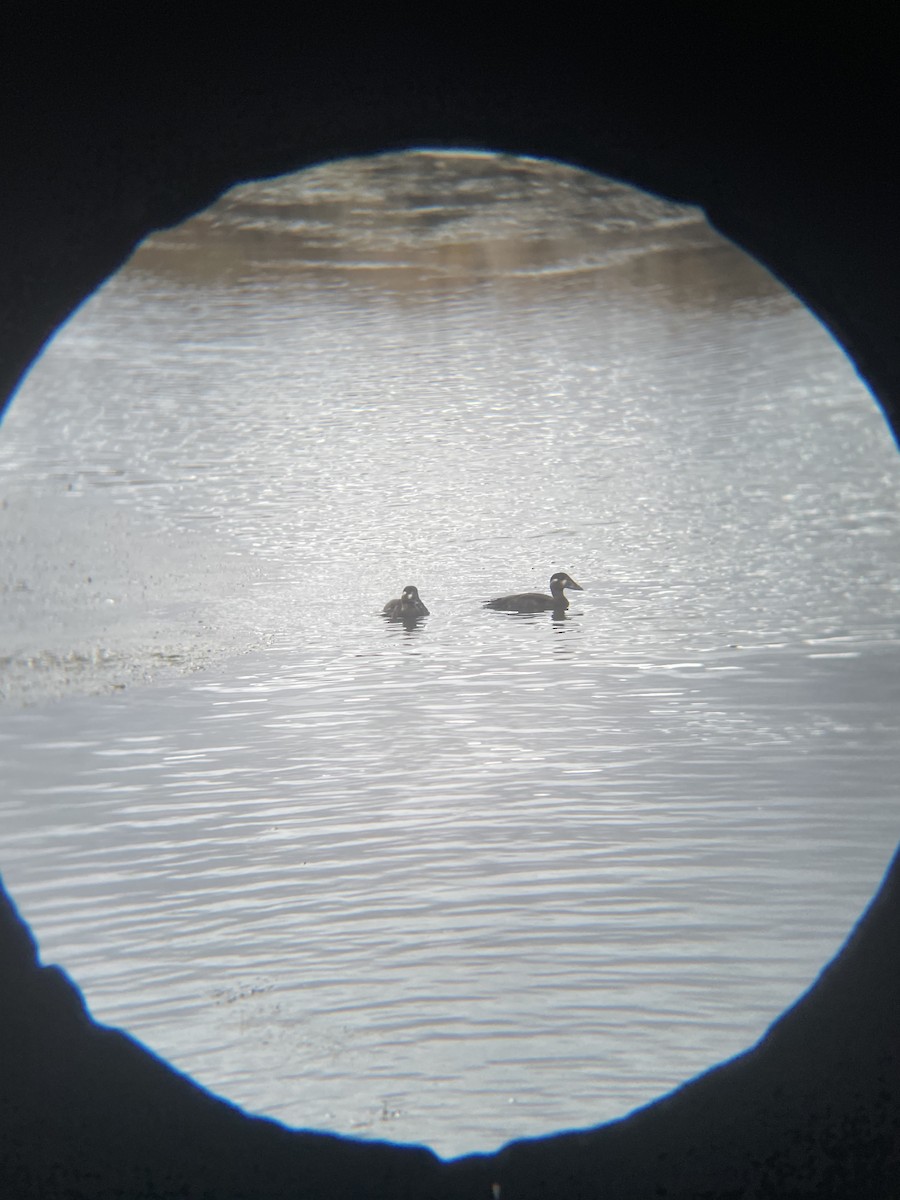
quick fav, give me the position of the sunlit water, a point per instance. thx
(492, 875)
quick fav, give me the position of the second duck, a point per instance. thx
(407, 608)
(526, 602)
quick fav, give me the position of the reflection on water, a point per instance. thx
(481, 874)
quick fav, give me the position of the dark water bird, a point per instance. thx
(407, 608)
(527, 602)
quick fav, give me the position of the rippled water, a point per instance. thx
(493, 875)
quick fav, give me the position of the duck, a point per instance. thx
(527, 602)
(407, 608)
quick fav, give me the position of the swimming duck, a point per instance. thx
(407, 608)
(536, 601)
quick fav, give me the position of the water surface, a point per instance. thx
(492, 875)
